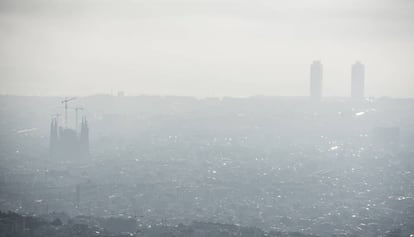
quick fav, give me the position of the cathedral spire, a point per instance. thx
(84, 137)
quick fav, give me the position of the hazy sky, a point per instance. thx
(204, 47)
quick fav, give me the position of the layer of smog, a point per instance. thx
(147, 164)
(206, 118)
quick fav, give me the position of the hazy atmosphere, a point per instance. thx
(204, 47)
(207, 118)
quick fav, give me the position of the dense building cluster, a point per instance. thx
(15, 225)
(335, 167)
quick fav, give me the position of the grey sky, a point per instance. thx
(204, 47)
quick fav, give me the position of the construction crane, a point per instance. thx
(65, 101)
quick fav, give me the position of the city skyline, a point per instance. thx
(218, 118)
(316, 87)
(204, 48)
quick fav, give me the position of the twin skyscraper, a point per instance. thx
(357, 80)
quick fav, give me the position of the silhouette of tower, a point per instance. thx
(316, 80)
(53, 137)
(358, 81)
(84, 137)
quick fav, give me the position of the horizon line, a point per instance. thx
(207, 97)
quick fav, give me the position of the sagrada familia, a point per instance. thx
(67, 143)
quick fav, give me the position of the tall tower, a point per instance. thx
(358, 81)
(316, 80)
(84, 137)
(53, 137)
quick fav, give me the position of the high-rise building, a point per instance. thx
(316, 80)
(358, 80)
